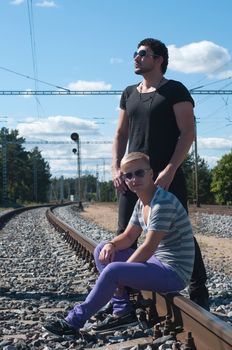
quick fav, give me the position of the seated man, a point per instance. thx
(162, 263)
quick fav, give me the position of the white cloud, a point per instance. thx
(57, 128)
(46, 3)
(214, 143)
(199, 57)
(115, 60)
(212, 149)
(58, 151)
(88, 85)
(16, 2)
(211, 160)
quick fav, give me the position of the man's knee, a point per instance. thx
(98, 249)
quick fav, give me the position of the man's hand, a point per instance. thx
(119, 184)
(165, 177)
(107, 253)
(119, 291)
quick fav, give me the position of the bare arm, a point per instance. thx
(185, 121)
(119, 149)
(122, 241)
(149, 246)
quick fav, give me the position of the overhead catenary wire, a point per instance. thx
(33, 50)
(31, 78)
(194, 90)
(214, 72)
(213, 83)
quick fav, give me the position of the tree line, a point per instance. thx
(27, 176)
(214, 186)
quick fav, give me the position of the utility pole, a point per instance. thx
(104, 170)
(4, 167)
(97, 185)
(68, 189)
(35, 178)
(196, 166)
(61, 189)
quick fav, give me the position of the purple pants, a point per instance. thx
(152, 275)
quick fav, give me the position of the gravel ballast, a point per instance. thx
(41, 276)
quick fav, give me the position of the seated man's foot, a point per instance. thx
(60, 327)
(113, 322)
(103, 312)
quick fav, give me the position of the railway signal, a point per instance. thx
(75, 137)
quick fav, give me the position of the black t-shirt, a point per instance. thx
(152, 123)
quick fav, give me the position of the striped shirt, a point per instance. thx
(168, 215)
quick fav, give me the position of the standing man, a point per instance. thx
(156, 117)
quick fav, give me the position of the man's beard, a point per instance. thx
(141, 70)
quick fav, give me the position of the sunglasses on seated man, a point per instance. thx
(137, 173)
(143, 53)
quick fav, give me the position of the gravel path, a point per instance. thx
(40, 275)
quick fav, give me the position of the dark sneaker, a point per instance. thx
(60, 327)
(103, 312)
(113, 322)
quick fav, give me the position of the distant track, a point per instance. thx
(211, 209)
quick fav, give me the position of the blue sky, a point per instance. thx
(88, 44)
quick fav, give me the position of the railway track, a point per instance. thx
(211, 209)
(207, 331)
(174, 315)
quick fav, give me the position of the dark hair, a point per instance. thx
(158, 48)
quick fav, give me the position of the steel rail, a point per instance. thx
(11, 213)
(208, 332)
(83, 245)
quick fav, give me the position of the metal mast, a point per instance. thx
(97, 92)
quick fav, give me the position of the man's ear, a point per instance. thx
(161, 59)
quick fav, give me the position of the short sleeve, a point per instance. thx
(125, 96)
(134, 220)
(123, 100)
(176, 92)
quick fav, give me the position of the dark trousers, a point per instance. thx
(197, 288)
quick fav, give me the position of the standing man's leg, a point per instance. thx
(197, 289)
(126, 203)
